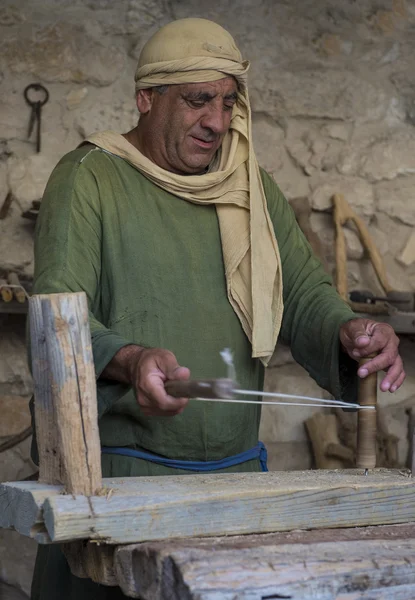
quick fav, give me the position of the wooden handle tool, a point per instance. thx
(202, 388)
(366, 420)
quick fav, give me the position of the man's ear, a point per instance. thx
(145, 100)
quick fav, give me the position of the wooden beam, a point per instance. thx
(252, 568)
(224, 504)
(21, 508)
(65, 393)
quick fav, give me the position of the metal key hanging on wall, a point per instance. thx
(36, 96)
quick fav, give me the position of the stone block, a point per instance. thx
(268, 139)
(322, 224)
(286, 423)
(15, 415)
(397, 276)
(358, 193)
(282, 356)
(396, 198)
(75, 96)
(271, 151)
(389, 158)
(16, 462)
(291, 180)
(62, 52)
(353, 244)
(337, 131)
(14, 112)
(15, 379)
(11, 15)
(407, 256)
(288, 456)
(28, 177)
(4, 187)
(16, 244)
(318, 93)
(389, 233)
(17, 560)
(329, 44)
(119, 113)
(144, 15)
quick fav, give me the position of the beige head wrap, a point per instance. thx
(192, 51)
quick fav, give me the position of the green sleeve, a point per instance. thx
(68, 254)
(313, 311)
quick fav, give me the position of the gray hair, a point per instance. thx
(160, 89)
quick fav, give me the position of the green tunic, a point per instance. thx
(151, 266)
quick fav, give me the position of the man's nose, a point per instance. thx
(216, 119)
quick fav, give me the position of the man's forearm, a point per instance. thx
(119, 368)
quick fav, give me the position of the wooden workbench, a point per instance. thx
(97, 520)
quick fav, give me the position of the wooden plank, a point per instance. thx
(65, 393)
(150, 508)
(96, 561)
(253, 571)
(402, 592)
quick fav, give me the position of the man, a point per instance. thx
(183, 247)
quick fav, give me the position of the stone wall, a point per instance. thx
(332, 89)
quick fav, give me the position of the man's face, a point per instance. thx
(184, 126)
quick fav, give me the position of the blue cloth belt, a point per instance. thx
(258, 451)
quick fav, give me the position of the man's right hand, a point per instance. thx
(147, 370)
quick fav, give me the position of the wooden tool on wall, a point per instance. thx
(342, 213)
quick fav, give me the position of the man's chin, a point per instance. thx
(196, 165)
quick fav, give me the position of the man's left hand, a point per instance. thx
(362, 337)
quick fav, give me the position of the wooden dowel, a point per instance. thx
(366, 420)
(65, 393)
(5, 292)
(18, 291)
(340, 247)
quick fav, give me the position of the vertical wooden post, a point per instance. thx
(412, 440)
(366, 420)
(65, 393)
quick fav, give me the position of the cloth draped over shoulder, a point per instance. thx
(198, 50)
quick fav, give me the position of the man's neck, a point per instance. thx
(132, 137)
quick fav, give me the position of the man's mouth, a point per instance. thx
(206, 144)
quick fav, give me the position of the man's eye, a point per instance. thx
(196, 103)
(228, 106)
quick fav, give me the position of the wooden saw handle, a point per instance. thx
(366, 420)
(202, 388)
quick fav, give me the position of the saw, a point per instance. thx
(226, 389)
